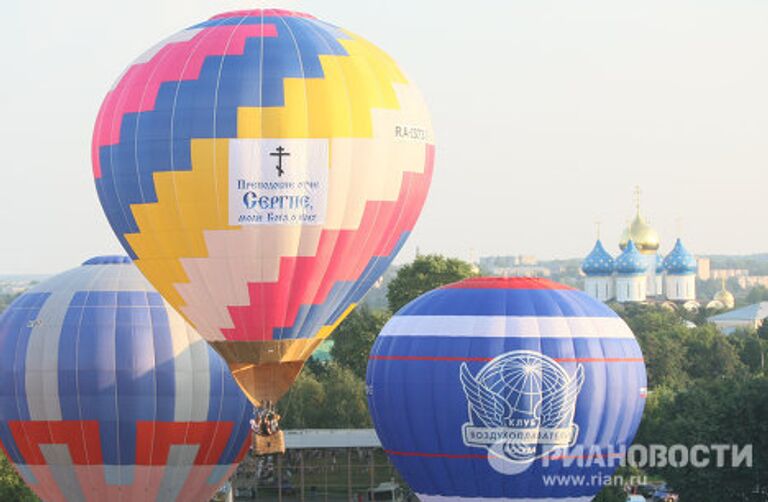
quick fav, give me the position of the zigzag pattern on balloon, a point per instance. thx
(278, 310)
(143, 150)
(185, 201)
(165, 172)
(179, 58)
(257, 16)
(105, 392)
(78, 444)
(237, 16)
(34, 326)
(314, 264)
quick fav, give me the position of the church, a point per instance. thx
(640, 273)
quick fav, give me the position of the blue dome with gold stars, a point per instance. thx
(680, 261)
(630, 261)
(598, 262)
(659, 264)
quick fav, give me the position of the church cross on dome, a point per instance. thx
(638, 192)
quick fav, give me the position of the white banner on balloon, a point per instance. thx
(278, 181)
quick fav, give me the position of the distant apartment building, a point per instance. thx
(750, 281)
(522, 271)
(526, 260)
(727, 273)
(14, 287)
(703, 269)
(514, 266)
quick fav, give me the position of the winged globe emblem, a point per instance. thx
(521, 405)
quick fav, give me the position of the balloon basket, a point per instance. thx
(269, 445)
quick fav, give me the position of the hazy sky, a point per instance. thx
(547, 113)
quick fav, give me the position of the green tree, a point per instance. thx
(661, 335)
(333, 400)
(665, 357)
(302, 407)
(643, 318)
(658, 406)
(353, 339)
(346, 404)
(12, 488)
(709, 355)
(611, 493)
(757, 294)
(676, 353)
(615, 492)
(424, 274)
(751, 349)
(762, 331)
(719, 411)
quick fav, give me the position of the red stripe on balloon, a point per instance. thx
(486, 359)
(81, 438)
(177, 61)
(342, 256)
(587, 456)
(485, 457)
(154, 440)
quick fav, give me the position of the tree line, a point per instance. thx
(704, 387)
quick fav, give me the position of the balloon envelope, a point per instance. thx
(487, 388)
(263, 168)
(106, 393)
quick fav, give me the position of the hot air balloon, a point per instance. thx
(106, 393)
(489, 388)
(263, 168)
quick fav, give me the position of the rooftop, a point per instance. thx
(754, 312)
(331, 438)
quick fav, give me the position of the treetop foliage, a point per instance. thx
(425, 273)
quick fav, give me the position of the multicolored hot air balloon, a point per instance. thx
(263, 168)
(106, 393)
(489, 388)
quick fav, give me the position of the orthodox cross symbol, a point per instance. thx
(280, 153)
(638, 192)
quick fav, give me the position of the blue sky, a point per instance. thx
(547, 113)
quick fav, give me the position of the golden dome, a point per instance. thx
(725, 297)
(642, 234)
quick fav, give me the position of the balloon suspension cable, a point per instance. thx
(238, 370)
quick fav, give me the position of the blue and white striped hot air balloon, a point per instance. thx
(487, 388)
(107, 394)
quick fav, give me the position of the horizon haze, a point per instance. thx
(546, 115)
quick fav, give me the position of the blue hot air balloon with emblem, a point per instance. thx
(499, 389)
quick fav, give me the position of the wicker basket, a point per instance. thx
(268, 445)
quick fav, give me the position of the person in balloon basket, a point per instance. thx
(267, 421)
